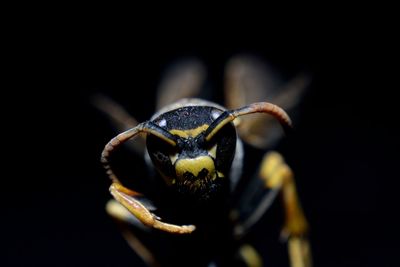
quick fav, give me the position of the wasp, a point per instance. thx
(202, 200)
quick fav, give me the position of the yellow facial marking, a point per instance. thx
(173, 158)
(163, 137)
(213, 151)
(195, 166)
(189, 133)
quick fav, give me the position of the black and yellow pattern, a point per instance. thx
(194, 166)
(195, 148)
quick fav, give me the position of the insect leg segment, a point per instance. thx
(277, 175)
(120, 213)
(125, 196)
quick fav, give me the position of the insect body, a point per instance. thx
(197, 153)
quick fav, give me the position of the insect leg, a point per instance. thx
(277, 175)
(127, 197)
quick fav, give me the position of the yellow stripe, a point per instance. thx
(213, 151)
(195, 165)
(190, 132)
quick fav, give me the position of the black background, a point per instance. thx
(344, 151)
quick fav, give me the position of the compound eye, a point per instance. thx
(160, 153)
(225, 147)
(215, 113)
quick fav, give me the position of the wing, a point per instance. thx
(183, 79)
(249, 80)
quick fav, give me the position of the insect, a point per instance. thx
(202, 200)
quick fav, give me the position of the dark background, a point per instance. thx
(344, 152)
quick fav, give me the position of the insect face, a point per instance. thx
(193, 166)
